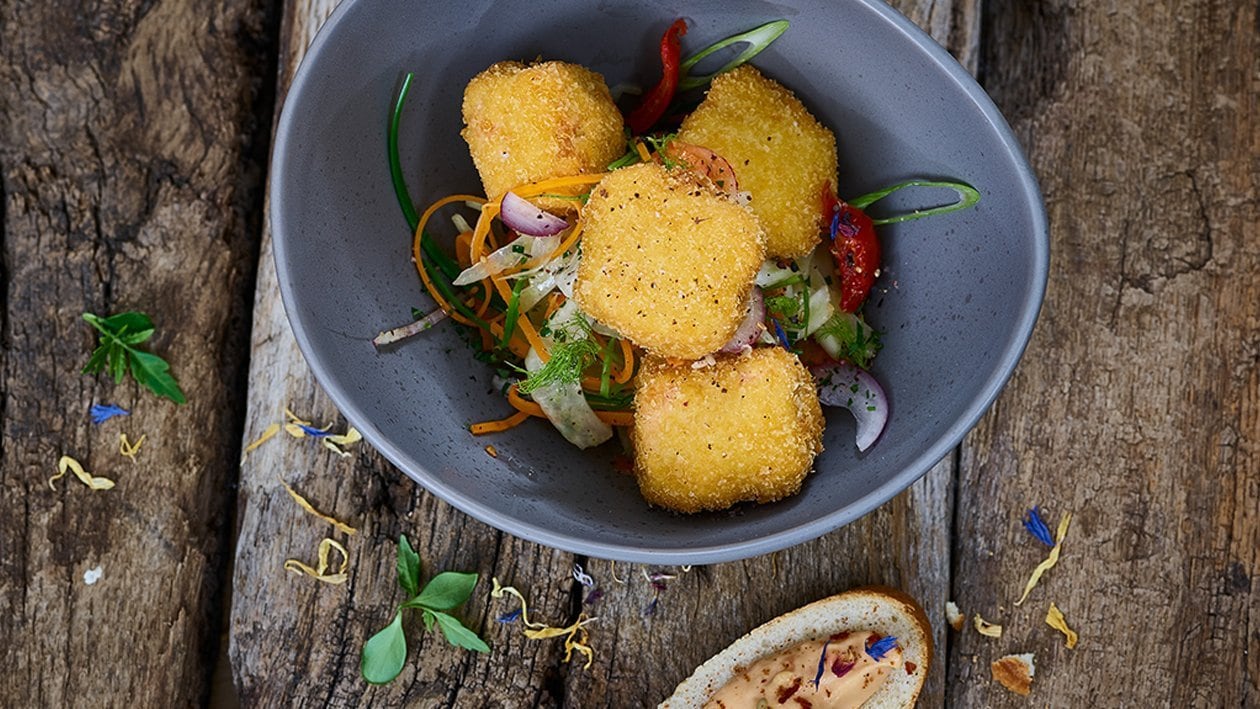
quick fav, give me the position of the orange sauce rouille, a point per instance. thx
(849, 676)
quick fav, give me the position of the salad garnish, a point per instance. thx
(511, 276)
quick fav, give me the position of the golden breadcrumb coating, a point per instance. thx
(528, 123)
(781, 155)
(666, 261)
(745, 428)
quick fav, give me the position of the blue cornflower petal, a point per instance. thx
(880, 647)
(835, 224)
(1037, 527)
(650, 609)
(510, 617)
(822, 660)
(314, 432)
(104, 412)
(778, 330)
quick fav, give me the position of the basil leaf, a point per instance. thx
(130, 321)
(153, 372)
(408, 567)
(385, 653)
(444, 591)
(459, 636)
(98, 360)
(428, 620)
(117, 361)
(135, 338)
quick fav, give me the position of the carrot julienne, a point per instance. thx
(510, 422)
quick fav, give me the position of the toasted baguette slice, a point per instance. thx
(877, 608)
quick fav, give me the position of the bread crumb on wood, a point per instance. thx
(1015, 672)
(986, 628)
(953, 616)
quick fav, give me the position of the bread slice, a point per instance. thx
(876, 608)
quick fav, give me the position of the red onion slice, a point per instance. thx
(519, 215)
(750, 329)
(842, 384)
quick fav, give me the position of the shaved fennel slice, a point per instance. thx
(559, 272)
(516, 253)
(567, 409)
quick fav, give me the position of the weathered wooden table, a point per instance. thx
(134, 151)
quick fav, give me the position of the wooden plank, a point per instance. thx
(131, 166)
(1138, 405)
(297, 642)
(904, 543)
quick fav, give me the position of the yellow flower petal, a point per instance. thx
(267, 434)
(72, 465)
(1051, 560)
(986, 628)
(351, 436)
(311, 509)
(576, 637)
(1055, 619)
(294, 418)
(320, 572)
(128, 449)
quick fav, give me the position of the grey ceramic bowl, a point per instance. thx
(962, 291)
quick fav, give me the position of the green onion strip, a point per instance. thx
(757, 39)
(967, 197)
(442, 268)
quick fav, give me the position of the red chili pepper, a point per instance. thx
(642, 118)
(855, 249)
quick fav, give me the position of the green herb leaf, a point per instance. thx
(385, 653)
(459, 636)
(117, 361)
(135, 338)
(429, 620)
(127, 322)
(408, 567)
(153, 372)
(98, 360)
(568, 359)
(849, 333)
(116, 353)
(445, 591)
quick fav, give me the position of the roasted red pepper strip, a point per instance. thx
(855, 249)
(642, 118)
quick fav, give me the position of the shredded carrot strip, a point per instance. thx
(643, 151)
(522, 405)
(568, 242)
(554, 302)
(418, 257)
(477, 241)
(627, 368)
(523, 323)
(501, 425)
(616, 418)
(463, 244)
(612, 418)
(533, 189)
(485, 302)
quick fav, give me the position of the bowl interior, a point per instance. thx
(956, 301)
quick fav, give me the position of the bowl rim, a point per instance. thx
(977, 406)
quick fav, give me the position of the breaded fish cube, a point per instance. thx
(746, 428)
(781, 155)
(666, 261)
(528, 123)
